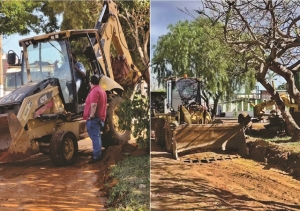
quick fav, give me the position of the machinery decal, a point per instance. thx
(42, 109)
(44, 98)
(27, 109)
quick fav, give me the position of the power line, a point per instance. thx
(9, 40)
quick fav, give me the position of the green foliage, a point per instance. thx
(77, 14)
(25, 16)
(197, 49)
(136, 110)
(239, 75)
(281, 86)
(139, 9)
(283, 143)
(131, 174)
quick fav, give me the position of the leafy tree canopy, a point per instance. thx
(281, 86)
(197, 49)
(77, 14)
(25, 16)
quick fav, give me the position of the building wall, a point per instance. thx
(243, 103)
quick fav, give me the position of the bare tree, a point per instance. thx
(266, 33)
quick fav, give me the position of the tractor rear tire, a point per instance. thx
(63, 148)
(113, 135)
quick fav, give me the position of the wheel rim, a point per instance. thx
(68, 148)
(116, 123)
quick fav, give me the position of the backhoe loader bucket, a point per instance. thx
(14, 141)
(224, 137)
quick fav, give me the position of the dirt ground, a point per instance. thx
(233, 184)
(35, 184)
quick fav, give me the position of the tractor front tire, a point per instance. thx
(63, 148)
(113, 135)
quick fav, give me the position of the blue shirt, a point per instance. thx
(81, 68)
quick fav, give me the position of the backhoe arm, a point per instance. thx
(258, 109)
(120, 67)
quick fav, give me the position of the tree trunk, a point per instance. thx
(215, 106)
(291, 125)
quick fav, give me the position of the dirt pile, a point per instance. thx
(273, 156)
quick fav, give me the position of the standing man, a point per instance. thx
(79, 71)
(95, 114)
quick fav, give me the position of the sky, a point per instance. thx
(164, 13)
(12, 43)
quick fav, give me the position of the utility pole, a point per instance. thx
(1, 69)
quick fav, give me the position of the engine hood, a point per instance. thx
(18, 95)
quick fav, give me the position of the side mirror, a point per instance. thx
(11, 57)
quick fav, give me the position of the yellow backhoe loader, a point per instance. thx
(276, 123)
(45, 113)
(190, 127)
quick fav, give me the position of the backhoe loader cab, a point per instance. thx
(49, 56)
(182, 91)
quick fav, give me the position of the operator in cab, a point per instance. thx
(79, 71)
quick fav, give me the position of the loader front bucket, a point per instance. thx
(14, 141)
(5, 137)
(225, 137)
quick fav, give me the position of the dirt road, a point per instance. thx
(237, 184)
(35, 184)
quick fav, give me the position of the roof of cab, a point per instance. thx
(64, 34)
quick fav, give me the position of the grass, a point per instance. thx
(284, 143)
(132, 191)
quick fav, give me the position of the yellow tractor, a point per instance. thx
(275, 123)
(45, 113)
(188, 126)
